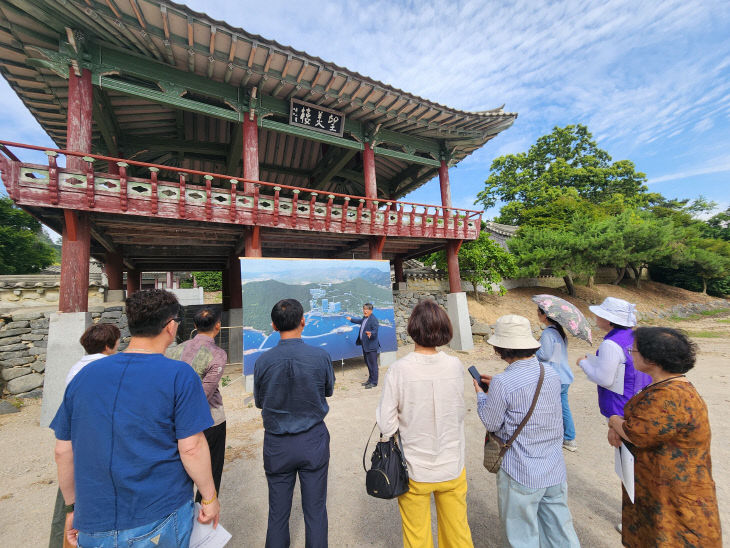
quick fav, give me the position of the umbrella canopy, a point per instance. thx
(566, 314)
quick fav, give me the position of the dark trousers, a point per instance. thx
(58, 522)
(216, 436)
(371, 359)
(285, 456)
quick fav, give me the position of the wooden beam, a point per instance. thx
(235, 149)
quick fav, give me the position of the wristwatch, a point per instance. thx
(68, 508)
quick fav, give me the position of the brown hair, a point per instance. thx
(429, 325)
(515, 353)
(99, 337)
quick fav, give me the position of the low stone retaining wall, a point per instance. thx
(23, 341)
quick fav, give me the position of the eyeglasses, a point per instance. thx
(177, 319)
(633, 351)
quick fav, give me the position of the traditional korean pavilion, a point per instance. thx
(188, 142)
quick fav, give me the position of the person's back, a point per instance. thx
(131, 450)
(291, 384)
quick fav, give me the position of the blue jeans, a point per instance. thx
(568, 426)
(172, 531)
(534, 517)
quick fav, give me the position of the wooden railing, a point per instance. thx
(234, 200)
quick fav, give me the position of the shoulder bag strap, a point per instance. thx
(529, 413)
(365, 452)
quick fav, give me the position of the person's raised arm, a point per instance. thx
(195, 456)
(602, 369)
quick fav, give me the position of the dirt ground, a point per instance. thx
(28, 479)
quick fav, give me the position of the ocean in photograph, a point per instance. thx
(329, 290)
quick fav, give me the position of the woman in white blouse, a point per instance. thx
(423, 398)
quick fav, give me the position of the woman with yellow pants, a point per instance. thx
(423, 398)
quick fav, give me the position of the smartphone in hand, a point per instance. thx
(477, 377)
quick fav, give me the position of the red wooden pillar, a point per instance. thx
(253, 242)
(368, 161)
(444, 184)
(134, 281)
(75, 250)
(250, 151)
(168, 280)
(78, 128)
(114, 271)
(376, 244)
(452, 260)
(398, 267)
(234, 282)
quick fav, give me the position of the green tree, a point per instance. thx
(568, 159)
(209, 280)
(22, 250)
(481, 262)
(718, 226)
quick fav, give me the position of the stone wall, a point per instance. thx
(23, 341)
(403, 303)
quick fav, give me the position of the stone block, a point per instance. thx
(34, 337)
(39, 366)
(458, 311)
(28, 315)
(15, 324)
(14, 340)
(35, 350)
(13, 362)
(15, 354)
(6, 408)
(26, 383)
(64, 350)
(479, 328)
(15, 372)
(12, 347)
(40, 344)
(37, 393)
(111, 315)
(39, 324)
(14, 332)
(113, 308)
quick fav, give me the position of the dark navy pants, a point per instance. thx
(371, 360)
(285, 456)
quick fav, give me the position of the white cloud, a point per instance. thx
(721, 165)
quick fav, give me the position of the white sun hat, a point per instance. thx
(616, 311)
(513, 331)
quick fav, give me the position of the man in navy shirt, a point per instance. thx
(130, 438)
(291, 384)
(367, 337)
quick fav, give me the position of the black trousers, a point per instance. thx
(306, 454)
(216, 436)
(371, 359)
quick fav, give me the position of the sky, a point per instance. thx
(651, 80)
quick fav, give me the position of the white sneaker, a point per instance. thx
(619, 528)
(570, 445)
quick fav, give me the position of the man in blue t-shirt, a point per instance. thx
(129, 438)
(291, 384)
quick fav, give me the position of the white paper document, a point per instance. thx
(204, 536)
(625, 469)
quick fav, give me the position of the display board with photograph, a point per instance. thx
(330, 290)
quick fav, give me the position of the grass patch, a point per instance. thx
(703, 314)
(706, 334)
(723, 321)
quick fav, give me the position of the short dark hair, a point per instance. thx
(670, 349)
(515, 353)
(99, 337)
(206, 318)
(150, 310)
(369, 306)
(429, 325)
(287, 314)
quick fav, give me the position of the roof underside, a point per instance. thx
(153, 37)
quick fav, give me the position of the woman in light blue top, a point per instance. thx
(554, 352)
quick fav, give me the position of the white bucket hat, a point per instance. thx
(616, 311)
(513, 331)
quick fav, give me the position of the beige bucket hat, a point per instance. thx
(616, 311)
(513, 331)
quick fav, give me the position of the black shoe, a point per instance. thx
(365, 383)
(370, 385)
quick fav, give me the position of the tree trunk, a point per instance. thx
(637, 274)
(620, 273)
(569, 285)
(704, 286)
(591, 281)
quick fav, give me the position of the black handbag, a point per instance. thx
(388, 474)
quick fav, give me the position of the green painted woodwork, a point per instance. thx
(309, 134)
(411, 158)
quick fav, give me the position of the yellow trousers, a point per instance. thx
(415, 513)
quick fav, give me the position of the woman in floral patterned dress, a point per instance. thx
(667, 430)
